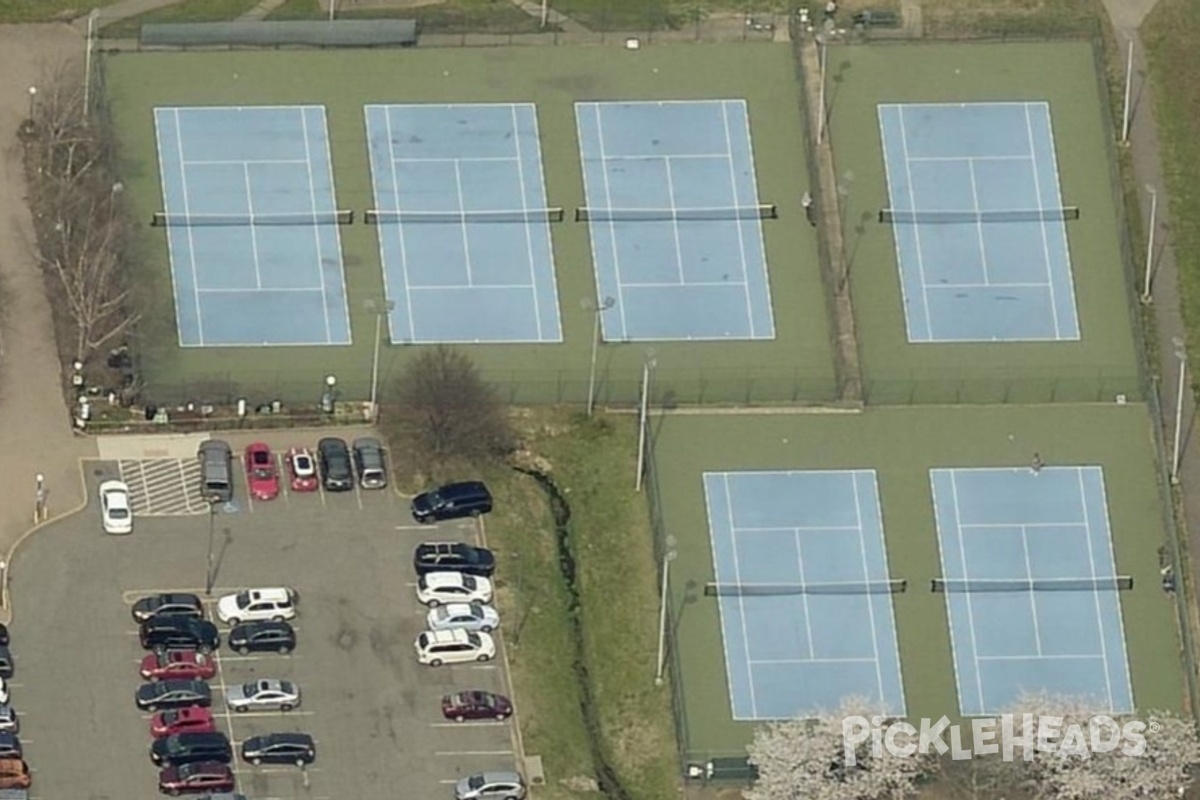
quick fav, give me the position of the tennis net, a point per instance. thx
(768, 211)
(899, 216)
(525, 215)
(835, 587)
(1109, 584)
(162, 219)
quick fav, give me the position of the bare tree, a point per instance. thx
(1094, 755)
(809, 759)
(441, 409)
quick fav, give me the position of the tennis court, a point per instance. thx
(675, 220)
(979, 222)
(464, 231)
(1031, 586)
(803, 592)
(251, 220)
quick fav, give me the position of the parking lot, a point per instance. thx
(374, 712)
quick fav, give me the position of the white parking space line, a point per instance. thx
(482, 666)
(448, 781)
(240, 659)
(357, 492)
(412, 527)
(285, 479)
(257, 714)
(452, 753)
(250, 769)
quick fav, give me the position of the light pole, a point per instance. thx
(1146, 296)
(380, 310)
(32, 100)
(332, 7)
(210, 573)
(643, 417)
(822, 52)
(668, 557)
(545, 11)
(329, 395)
(596, 309)
(1128, 92)
(87, 64)
(1181, 354)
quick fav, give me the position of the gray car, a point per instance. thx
(491, 786)
(263, 695)
(216, 471)
(369, 463)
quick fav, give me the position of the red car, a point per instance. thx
(182, 720)
(303, 469)
(476, 704)
(186, 664)
(204, 776)
(261, 472)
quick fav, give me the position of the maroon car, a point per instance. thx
(182, 720)
(185, 664)
(476, 704)
(204, 776)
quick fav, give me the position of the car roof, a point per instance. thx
(270, 593)
(291, 738)
(114, 486)
(501, 776)
(367, 441)
(445, 637)
(436, 579)
(263, 625)
(173, 597)
(215, 444)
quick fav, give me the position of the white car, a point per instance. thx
(263, 695)
(115, 510)
(252, 605)
(454, 647)
(438, 588)
(468, 616)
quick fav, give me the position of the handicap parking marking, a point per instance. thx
(163, 487)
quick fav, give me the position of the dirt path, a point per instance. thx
(35, 433)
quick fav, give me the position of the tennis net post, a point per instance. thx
(527, 216)
(716, 214)
(778, 589)
(162, 219)
(958, 585)
(935, 217)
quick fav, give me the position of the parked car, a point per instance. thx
(216, 471)
(14, 774)
(475, 704)
(193, 719)
(257, 604)
(10, 745)
(116, 513)
(303, 470)
(173, 694)
(8, 718)
(454, 647)
(438, 588)
(7, 665)
(468, 616)
(453, 557)
(3, 634)
(257, 637)
(369, 463)
(188, 748)
(280, 748)
(215, 796)
(336, 472)
(179, 633)
(177, 604)
(491, 786)
(263, 695)
(204, 776)
(452, 501)
(182, 664)
(261, 472)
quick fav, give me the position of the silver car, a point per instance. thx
(263, 695)
(491, 786)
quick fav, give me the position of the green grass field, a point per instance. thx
(796, 365)
(902, 445)
(1099, 366)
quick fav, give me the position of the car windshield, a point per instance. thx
(436, 500)
(250, 688)
(243, 599)
(469, 583)
(475, 781)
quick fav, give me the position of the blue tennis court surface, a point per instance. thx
(238, 283)
(795, 655)
(675, 278)
(460, 263)
(996, 266)
(1018, 525)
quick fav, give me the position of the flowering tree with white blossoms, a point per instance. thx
(808, 759)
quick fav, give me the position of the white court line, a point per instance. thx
(983, 262)
(813, 528)
(971, 158)
(942, 545)
(283, 289)
(813, 660)
(1096, 595)
(862, 547)
(337, 229)
(674, 156)
(1066, 242)
(812, 650)
(455, 159)
(316, 229)
(962, 548)
(240, 162)
(957, 286)
(912, 200)
(537, 311)
(739, 224)
(1051, 657)
(737, 573)
(1037, 630)
(1112, 557)
(191, 241)
(887, 571)
(675, 224)
(537, 139)
(1009, 525)
(712, 543)
(701, 284)
(612, 229)
(412, 332)
(1037, 188)
(462, 207)
(460, 287)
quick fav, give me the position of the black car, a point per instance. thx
(280, 748)
(7, 665)
(267, 635)
(453, 557)
(188, 748)
(3, 634)
(173, 632)
(452, 501)
(10, 745)
(334, 457)
(175, 604)
(173, 694)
